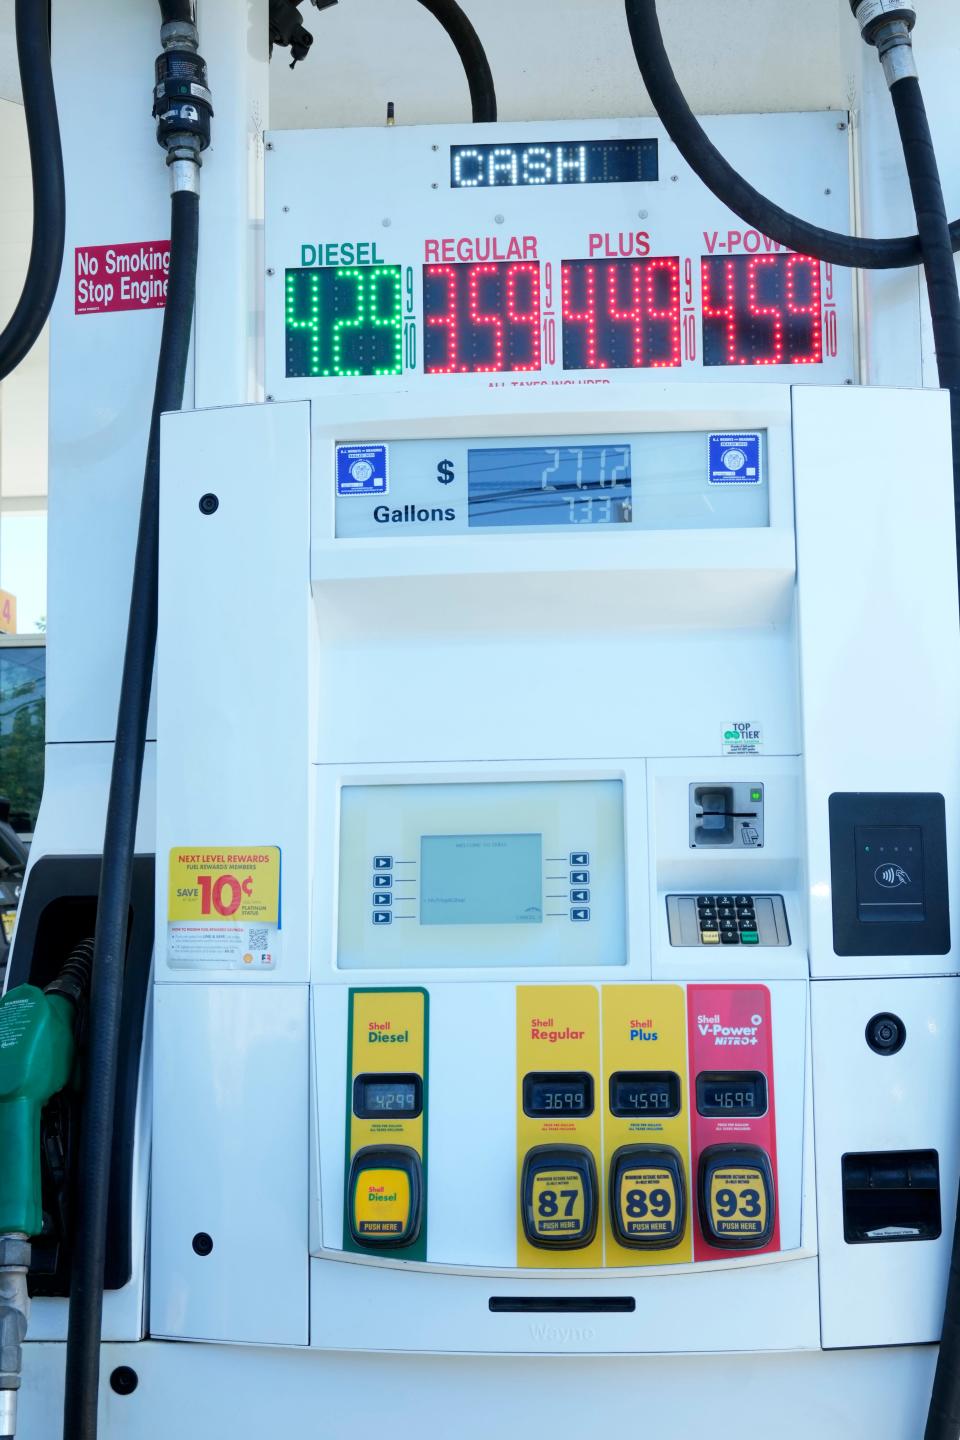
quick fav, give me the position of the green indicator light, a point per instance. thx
(756, 795)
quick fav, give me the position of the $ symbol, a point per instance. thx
(445, 472)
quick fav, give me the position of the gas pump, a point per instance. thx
(538, 940)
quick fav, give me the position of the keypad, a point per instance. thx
(727, 919)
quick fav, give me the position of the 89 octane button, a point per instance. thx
(647, 1197)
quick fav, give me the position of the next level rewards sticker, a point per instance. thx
(223, 908)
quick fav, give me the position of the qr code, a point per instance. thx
(259, 940)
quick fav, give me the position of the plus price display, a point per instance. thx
(621, 314)
(481, 318)
(761, 310)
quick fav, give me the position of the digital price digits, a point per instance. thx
(621, 314)
(344, 320)
(761, 310)
(481, 318)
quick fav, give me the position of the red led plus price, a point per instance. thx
(761, 310)
(621, 314)
(480, 318)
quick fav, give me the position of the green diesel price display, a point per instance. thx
(344, 320)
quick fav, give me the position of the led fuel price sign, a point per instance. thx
(547, 253)
(761, 310)
(621, 314)
(344, 320)
(481, 318)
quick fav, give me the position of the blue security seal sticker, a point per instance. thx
(733, 459)
(361, 469)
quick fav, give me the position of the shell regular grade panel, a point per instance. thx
(546, 254)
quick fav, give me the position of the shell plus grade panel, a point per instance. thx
(646, 1124)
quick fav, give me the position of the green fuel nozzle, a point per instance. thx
(36, 1060)
(37, 1046)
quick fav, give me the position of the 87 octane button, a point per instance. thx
(558, 1197)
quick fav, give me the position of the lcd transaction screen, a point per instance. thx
(481, 880)
(541, 485)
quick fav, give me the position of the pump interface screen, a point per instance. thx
(481, 880)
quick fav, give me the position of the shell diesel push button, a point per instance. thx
(647, 1197)
(385, 1196)
(558, 1197)
(737, 1199)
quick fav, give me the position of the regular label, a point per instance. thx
(223, 908)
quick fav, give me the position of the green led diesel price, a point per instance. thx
(344, 320)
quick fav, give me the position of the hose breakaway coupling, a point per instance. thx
(887, 25)
(14, 1314)
(182, 102)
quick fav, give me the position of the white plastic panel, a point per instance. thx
(247, 1393)
(234, 655)
(888, 1293)
(230, 1159)
(879, 646)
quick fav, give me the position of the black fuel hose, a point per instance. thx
(483, 98)
(49, 201)
(184, 11)
(737, 194)
(939, 267)
(96, 1136)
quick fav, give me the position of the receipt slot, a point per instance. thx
(558, 1197)
(647, 1197)
(736, 1193)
